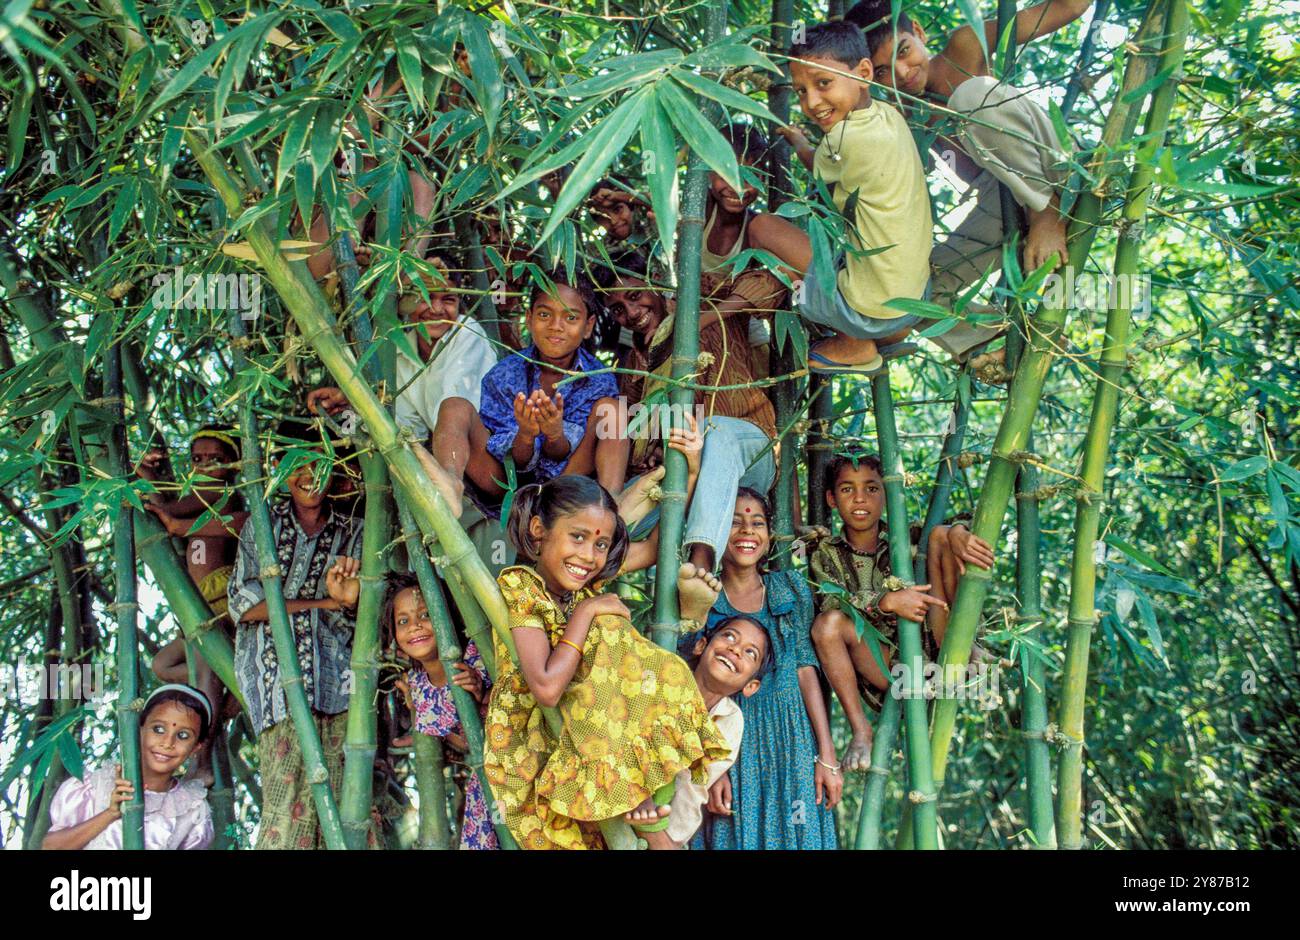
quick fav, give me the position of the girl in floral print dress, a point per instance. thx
(406, 619)
(632, 712)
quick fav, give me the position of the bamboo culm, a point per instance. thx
(1026, 390)
(449, 653)
(286, 651)
(431, 784)
(125, 609)
(1114, 360)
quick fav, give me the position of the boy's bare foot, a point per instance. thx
(452, 490)
(850, 352)
(991, 368)
(647, 812)
(405, 740)
(697, 590)
(858, 755)
(637, 501)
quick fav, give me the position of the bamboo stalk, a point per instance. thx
(431, 784)
(1114, 360)
(221, 795)
(1027, 387)
(449, 653)
(819, 447)
(882, 745)
(126, 610)
(923, 796)
(282, 635)
(686, 350)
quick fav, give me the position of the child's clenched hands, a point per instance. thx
(969, 548)
(526, 416)
(469, 680)
(342, 581)
(911, 603)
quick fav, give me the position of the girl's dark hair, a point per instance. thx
(841, 41)
(555, 499)
(875, 19)
(767, 517)
(577, 282)
(395, 585)
(765, 665)
(747, 142)
(840, 461)
(187, 700)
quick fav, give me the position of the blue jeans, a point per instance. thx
(730, 446)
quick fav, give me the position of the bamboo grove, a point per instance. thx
(1143, 616)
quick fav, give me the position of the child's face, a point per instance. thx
(209, 457)
(858, 497)
(575, 549)
(168, 737)
(731, 657)
(615, 216)
(749, 538)
(910, 71)
(559, 322)
(727, 198)
(826, 96)
(434, 317)
(412, 627)
(302, 486)
(635, 305)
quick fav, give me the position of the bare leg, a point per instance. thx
(701, 556)
(459, 448)
(943, 578)
(844, 657)
(600, 453)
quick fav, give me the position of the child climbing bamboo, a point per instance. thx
(209, 550)
(868, 160)
(857, 560)
(1008, 139)
(406, 623)
(87, 813)
(728, 659)
(633, 716)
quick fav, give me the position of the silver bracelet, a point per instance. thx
(835, 770)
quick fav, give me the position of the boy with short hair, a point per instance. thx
(1020, 149)
(729, 659)
(546, 431)
(869, 161)
(858, 561)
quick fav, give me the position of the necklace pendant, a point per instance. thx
(835, 158)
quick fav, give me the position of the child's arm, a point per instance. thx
(803, 148)
(688, 441)
(77, 837)
(549, 417)
(829, 783)
(912, 602)
(969, 548)
(1042, 19)
(548, 671)
(213, 528)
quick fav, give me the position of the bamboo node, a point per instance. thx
(107, 402)
(895, 583)
(135, 705)
(319, 775)
(877, 769)
(453, 653)
(916, 797)
(124, 607)
(271, 571)
(1024, 456)
(968, 458)
(704, 360)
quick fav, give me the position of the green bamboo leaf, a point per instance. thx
(70, 754)
(325, 131)
(102, 326)
(486, 84)
(702, 137)
(294, 138)
(1151, 625)
(970, 11)
(623, 72)
(410, 66)
(199, 64)
(727, 97)
(659, 149)
(601, 148)
(340, 24)
(123, 207)
(90, 195)
(19, 114)
(1138, 555)
(1244, 469)
(733, 53)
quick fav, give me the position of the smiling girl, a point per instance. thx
(86, 814)
(780, 792)
(633, 715)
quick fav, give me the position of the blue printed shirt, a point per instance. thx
(516, 374)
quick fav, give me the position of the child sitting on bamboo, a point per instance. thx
(406, 623)
(729, 658)
(857, 561)
(175, 722)
(209, 550)
(523, 416)
(869, 161)
(1007, 138)
(633, 715)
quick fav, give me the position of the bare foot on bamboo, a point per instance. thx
(637, 501)
(850, 352)
(858, 755)
(697, 590)
(991, 368)
(647, 812)
(452, 490)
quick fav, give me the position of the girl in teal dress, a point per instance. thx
(786, 778)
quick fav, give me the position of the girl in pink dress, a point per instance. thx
(87, 814)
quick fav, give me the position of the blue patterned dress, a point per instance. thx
(773, 795)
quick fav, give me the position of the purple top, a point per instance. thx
(177, 819)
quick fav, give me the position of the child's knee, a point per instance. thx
(828, 628)
(456, 412)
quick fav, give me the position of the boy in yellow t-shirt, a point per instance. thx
(868, 158)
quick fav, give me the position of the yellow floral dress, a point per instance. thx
(633, 718)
